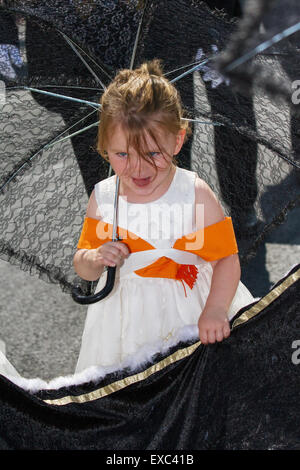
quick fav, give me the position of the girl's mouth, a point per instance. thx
(141, 181)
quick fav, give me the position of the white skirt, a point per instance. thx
(140, 318)
(143, 316)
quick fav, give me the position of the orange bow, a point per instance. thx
(214, 242)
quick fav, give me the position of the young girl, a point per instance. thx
(178, 270)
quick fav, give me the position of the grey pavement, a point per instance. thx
(41, 325)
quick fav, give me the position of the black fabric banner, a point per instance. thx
(242, 393)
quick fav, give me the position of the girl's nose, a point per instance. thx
(139, 167)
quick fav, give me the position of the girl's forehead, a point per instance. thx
(119, 136)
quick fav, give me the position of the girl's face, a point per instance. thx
(139, 180)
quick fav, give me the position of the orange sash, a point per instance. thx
(214, 242)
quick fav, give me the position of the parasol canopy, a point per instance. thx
(242, 146)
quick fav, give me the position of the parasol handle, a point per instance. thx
(83, 299)
(77, 293)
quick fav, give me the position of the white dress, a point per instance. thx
(143, 316)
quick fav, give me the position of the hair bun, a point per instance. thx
(123, 76)
(151, 67)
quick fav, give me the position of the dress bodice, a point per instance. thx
(160, 222)
(161, 232)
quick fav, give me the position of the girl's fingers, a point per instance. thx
(114, 258)
(110, 254)
(109, 263)
(112, 251)
(226, 330)
(117, 252)
(124, 249)
(211, 336)
(117, 247)
(112, 261)
(203, 336)
(219, 334)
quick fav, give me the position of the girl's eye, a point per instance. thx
(122, 154)
(154, 154)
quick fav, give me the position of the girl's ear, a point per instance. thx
(179, 141)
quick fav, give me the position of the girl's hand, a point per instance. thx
(213, 325)
(109, 254)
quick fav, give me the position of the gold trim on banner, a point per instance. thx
(178, 355)
(267, 300)
(115, 386)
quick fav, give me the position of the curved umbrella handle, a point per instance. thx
(77, 293)
(82, 299)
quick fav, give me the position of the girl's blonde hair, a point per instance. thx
(140, 100)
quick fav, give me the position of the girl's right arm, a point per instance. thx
(89, 264)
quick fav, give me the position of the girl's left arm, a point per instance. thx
(225, 280)
(213, 322)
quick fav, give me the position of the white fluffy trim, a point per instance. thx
(93, 374)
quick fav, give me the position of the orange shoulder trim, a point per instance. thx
(214, 242)
(96, 232)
